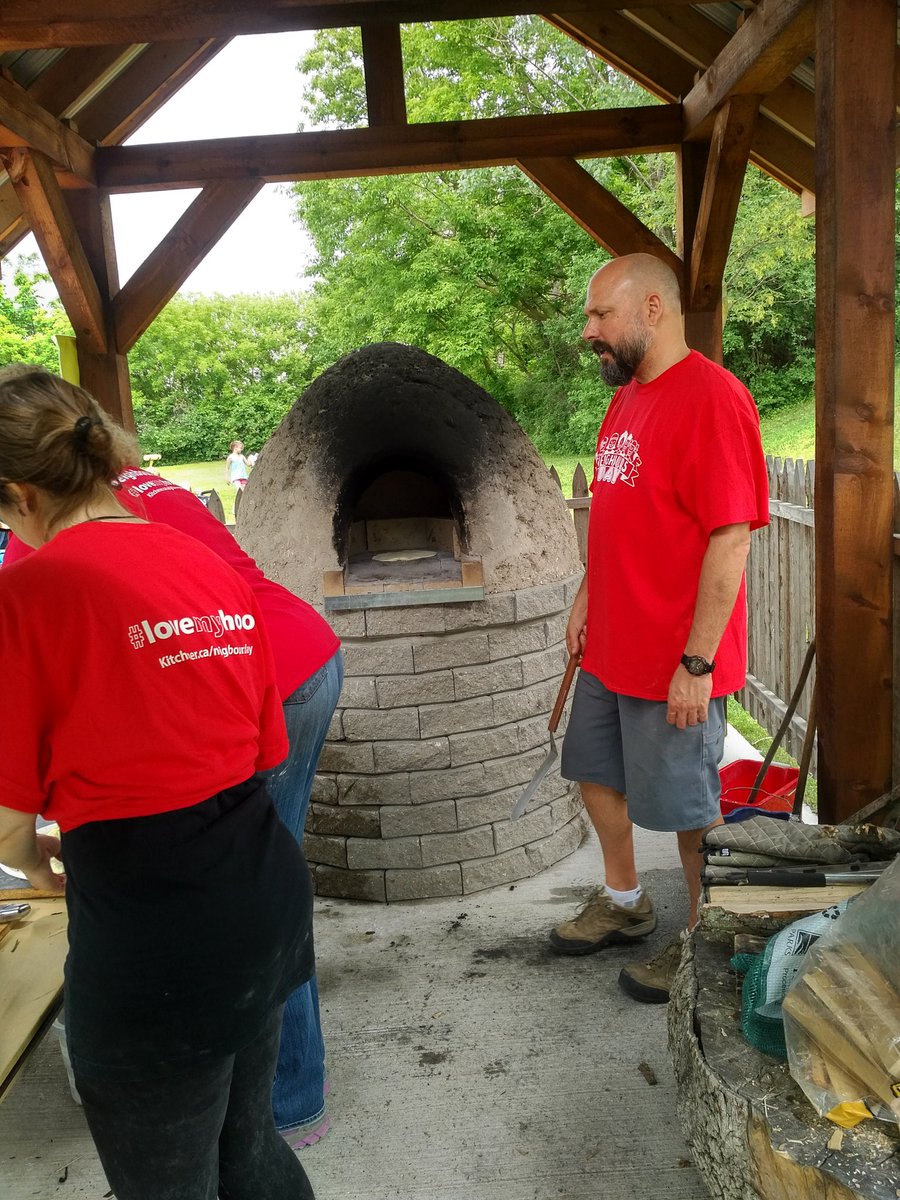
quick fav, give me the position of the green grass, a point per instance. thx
(201, 477)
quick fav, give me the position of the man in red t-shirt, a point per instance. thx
(660, 618)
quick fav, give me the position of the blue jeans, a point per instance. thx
(298, 1093)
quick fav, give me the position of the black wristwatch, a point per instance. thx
(697, 664)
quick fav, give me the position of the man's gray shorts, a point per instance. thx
(670, 775)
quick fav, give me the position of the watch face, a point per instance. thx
(697, 664)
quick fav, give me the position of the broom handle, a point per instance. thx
(786, 719)
(571, 668)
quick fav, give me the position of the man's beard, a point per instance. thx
(626, 357)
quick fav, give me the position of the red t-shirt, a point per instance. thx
(137, 676)
(676, 459)
(301, 640)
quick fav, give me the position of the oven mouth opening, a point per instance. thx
(400, 533)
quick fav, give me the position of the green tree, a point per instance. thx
(214, 368)
(28, 321)
(483, 270)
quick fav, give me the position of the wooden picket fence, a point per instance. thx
(781, 598)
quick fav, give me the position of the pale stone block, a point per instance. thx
(426, 786)
(455, 847)
(515, 640)
(573, 583)
(482, 744)
(392, 656)
(412, 755)
(410, 820)
(347, 756)
(565, 807)
(493, 610)
(503, 773)
(347, 624)
(380, 724)
(431, 687)
(379, 853)
(358, 691)
(555, 629)
(443, 653)
(491, 872)
(463, 715)
(395, 622)
(525, 703)
(542, 601)
(487, 678)
(424, 883)
(332, 851)
(549, 664)
(324, 790)
(335, 727)
(531, 826)
(481, 810)
(345, 821)
(350, 885)
(565, 841)
(373, 789)
(533, 734)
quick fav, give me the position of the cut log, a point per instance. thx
(753, 1134)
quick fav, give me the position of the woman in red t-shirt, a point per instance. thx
(189, 902)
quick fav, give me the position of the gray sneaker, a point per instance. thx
(600, 922)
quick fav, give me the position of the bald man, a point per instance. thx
(660, 618)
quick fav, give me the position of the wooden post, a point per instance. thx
(855, 162)
(702, 327)
(104, 375)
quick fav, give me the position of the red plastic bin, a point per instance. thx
(776, 793)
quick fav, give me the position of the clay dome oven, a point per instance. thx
(404, 501)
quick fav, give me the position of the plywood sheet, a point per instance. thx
(32, 955)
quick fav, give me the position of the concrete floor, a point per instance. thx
(467, 1062)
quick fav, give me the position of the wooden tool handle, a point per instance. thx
(571, 668)
(29, 893)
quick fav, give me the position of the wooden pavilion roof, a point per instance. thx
(806, 89)
(77, 86)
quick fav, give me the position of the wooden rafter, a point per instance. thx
(51, 222)
(160, 276)
(383, 61)
(450, 145)
(68, 83)
(726, 166)
(702, 327)
(96, 22)
(664, 72)
(596, 209)
(25, 123)
(776, 36)
(143, 87)
(699, 41)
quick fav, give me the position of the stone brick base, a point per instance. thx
(442, 722)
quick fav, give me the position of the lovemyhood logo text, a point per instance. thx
(143, 633)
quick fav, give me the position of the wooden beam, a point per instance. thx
(68, 83)
(163, 272)
(98, 22)
(854, 400)
(104, 375)
(700, 41)
(143, 87)
(596, 209)
(725, 170)
(383, 62)
(25, 123)
(450, 145)
(776, 35)
(667, 74)
(702, 327)
(45, 207)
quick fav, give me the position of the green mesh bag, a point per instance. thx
(765, 1033)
